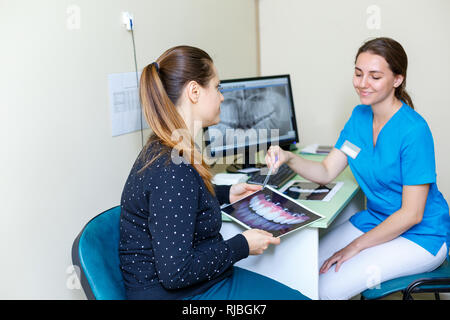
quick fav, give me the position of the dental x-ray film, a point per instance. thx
(269, 210)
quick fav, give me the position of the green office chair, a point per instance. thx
(96, 252)
(435, 281)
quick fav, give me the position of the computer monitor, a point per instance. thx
(256, 113)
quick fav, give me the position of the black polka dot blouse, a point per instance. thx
(170, 246)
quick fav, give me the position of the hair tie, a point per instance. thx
(156, 66)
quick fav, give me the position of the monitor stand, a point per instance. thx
(235, 167)
(249, 162)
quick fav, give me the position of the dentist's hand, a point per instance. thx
(339, 258)
(275, 157)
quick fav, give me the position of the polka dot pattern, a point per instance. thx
(169, 232)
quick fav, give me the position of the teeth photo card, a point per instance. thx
(272, 211)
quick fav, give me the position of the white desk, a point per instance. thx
(294, 261)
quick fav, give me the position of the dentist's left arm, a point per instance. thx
(411, 213)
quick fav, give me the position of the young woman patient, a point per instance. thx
(170, 245)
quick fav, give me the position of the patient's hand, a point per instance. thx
(259, 240)
(241, 190)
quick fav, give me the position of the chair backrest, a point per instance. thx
(96, 252)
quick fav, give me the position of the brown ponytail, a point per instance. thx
(401, 94)
(395, 56)
(160, 89)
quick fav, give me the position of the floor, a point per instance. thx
(416, 296)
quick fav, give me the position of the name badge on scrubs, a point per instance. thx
(350, 149)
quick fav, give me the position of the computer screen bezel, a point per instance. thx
(283, 144)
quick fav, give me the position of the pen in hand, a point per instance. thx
(270, 172)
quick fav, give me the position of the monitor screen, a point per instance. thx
(256, 113)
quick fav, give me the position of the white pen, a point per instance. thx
(270, 172)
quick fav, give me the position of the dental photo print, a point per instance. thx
(270, 211)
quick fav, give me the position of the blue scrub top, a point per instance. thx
(403, 155)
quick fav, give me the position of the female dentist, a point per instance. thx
(390, 151)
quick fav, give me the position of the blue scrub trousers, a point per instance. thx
(248, 285)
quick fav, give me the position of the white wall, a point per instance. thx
(59, 165)
(316, 42)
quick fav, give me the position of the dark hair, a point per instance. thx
(160, 88)
(395, 56)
